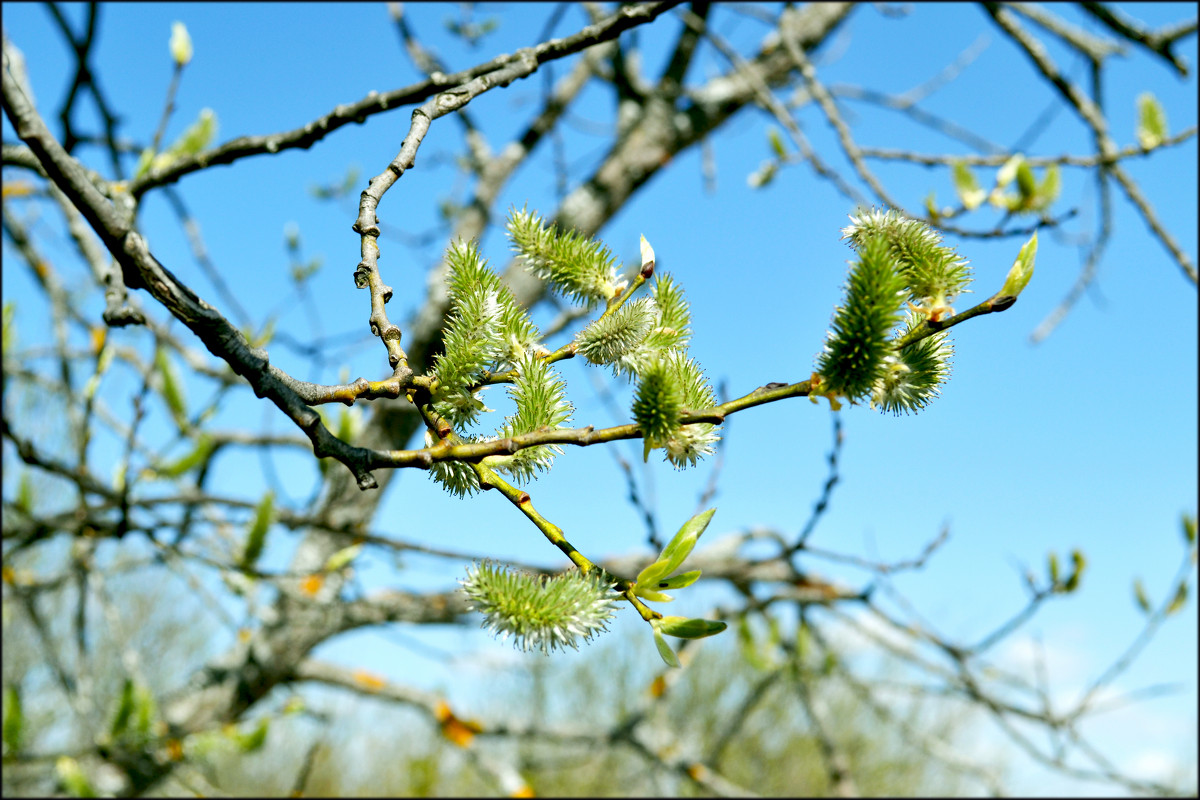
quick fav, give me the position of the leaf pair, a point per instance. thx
(659, 575)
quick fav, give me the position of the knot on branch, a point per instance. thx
(362, 275)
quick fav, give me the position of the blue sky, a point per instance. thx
(1086, 440)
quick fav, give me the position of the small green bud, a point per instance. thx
(343, 558)
(1026, 182)
(1078, 564)
(683, 628)
(181, 44)
(1179, 600)
(763, 175)
(967, 188)
(776, 142)
(1009, 171)
(1152, 121)
(1140, 596)
(1022, 269)
(647, 259)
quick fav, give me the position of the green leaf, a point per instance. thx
(145, 712)
(1026, 182)
(302, 272)
(1189, 528)
(343, 558)
(1140, 596)
(169, 386)
(1078, 564)
(1049, 189)
(682, 543)
(1009, 171)
(102, 365)
(256, 534)
(652, 595)
(198, 136)
(14, 721)
(253, 740)
(678, 549)
(776, 142)
(1052, 567)
(1179, 600)
(748, 644)
(144, 162)
(967, 187)
(763, 175)
(664, 650)
(189, 461)
(1021, 270)
(262, 337)
(124, 711)
(803, 642)
(681, 580)
(24, 499)
(1152, 121)
(931, 207)
(683, 628)
(349, 424)
(72, 777)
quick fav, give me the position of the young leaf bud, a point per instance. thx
(1022, 269)
(1152, 121)
(181, 44)
(684, 628)
(647, 259)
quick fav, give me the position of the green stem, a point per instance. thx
(488, 479)
(993, 305)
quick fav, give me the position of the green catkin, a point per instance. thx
(853, 358)
(656, 406)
